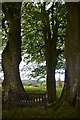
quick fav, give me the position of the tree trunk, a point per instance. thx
(11, 55)
(50, 56)
(65, 91)
(51, 65)
(72, 53)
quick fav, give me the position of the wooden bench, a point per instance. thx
(27, 99)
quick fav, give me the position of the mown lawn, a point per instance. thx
(39, 112)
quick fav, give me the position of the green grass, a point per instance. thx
(58, 91)
(0, 87)
(39, 112)
(34, 89)
(42, 90)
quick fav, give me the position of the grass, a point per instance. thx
(0, 88)
(39, 112)
(35, 89)
(42, 90)
(58, 91)
(0, 85)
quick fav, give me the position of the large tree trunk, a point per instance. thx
(72, 52)
(11, 55)
(71, 91)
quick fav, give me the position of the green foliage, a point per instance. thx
(1, 73)
(59, 83)
(32, 34)
(28, 84)
(32, 28)
(42, 82)
(40, 70)
(61, 61)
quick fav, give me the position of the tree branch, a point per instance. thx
(38, 50)
(52, 9)
(37, 30)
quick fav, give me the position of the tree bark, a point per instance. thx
(65, 91)
(11, 56)
(50, 57)
(51, 53)
(51, 66)
(71, 91)
(72, 53)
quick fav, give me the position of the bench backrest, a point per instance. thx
(29, 99)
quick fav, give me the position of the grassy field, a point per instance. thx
(42, 90)
(39, 112)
